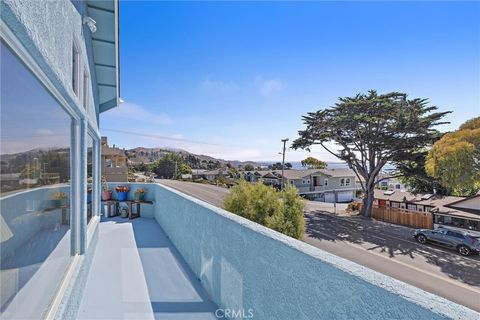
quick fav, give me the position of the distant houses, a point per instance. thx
(454, 212)
(210, 175)
(114, 162)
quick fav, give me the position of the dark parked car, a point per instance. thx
(464, 243)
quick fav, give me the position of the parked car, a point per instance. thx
(464, 243)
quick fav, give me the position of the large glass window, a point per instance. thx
(34, 192)
(90, 172)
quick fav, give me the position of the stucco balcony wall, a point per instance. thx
(245, 266)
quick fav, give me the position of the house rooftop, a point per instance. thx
(441, 204)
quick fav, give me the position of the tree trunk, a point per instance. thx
(368, 202)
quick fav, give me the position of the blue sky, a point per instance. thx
(239, 76)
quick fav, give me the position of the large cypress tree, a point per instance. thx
(371, 130)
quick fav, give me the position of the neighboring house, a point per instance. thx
(10, 181)
(328, 185)
(114, 163)
(391, 183)
(210, 175)
(450, 211)
(271, 178)
(198, 173)
(266, 176)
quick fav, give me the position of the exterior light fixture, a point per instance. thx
(90, 23)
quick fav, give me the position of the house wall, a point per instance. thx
(334, 183)
(300, 185)
(278, 277)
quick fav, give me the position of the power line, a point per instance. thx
(156, 136)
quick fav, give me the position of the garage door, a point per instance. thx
(329, 197)
(345, 196)
(342, 196)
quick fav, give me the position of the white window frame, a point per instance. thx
(347, 182)
(325, 182)
(342, 182)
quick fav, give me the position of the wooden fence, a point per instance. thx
(404, 217)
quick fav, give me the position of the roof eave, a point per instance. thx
(106, 59)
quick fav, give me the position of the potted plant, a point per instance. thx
(140, 194)
(106, 194)
(60, 199)
(122, 192)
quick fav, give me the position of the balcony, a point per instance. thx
(185, 259)
(136, 272)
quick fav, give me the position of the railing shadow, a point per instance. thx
(172, 286)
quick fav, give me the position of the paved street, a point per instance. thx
(383, 247)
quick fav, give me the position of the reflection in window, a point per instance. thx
(89, 177)
(34, 187)
(86, 82)
(75, 70)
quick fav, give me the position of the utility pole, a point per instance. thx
(334, 201)
(175, 178)
(283, 162)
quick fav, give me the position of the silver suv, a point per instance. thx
(464, 243)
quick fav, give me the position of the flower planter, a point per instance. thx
(139, 196)
(106, 195)
(122, 195)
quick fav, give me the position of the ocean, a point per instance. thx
(330, 165)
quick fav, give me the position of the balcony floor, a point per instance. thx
(137, 273)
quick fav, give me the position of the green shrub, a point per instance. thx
(263, 204)
(354, 206)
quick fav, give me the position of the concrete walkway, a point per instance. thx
(137, 273)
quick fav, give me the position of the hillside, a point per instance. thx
(148, 155)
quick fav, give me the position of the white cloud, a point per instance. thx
(136, 113)
(177, 136)
(218, 86)
(267, 87)
(44, 132)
